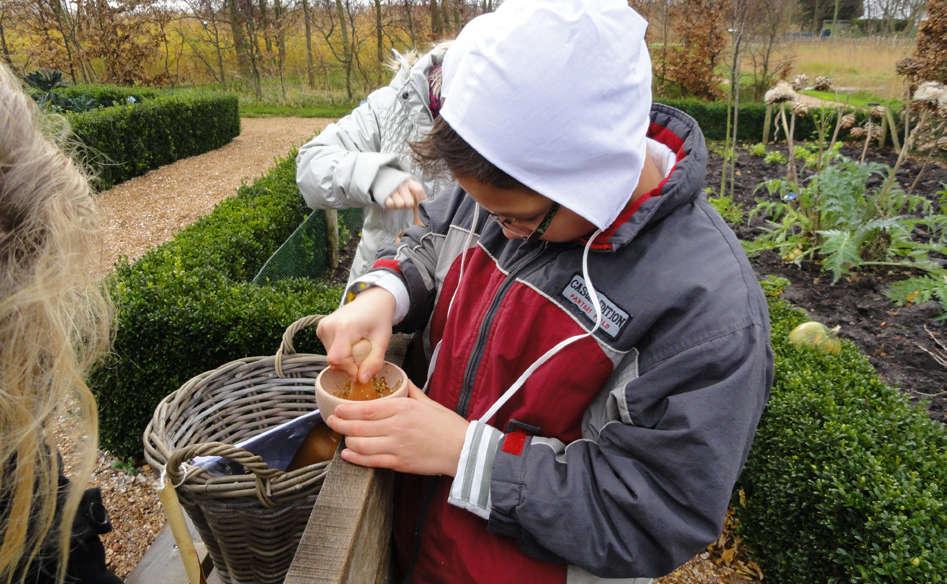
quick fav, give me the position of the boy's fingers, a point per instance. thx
(368, 445)
(339, 354)
(372, 460)
(376, 358)
(415, 393)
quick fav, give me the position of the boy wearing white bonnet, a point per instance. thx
(598, 343)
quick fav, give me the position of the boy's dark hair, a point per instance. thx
(442, 146)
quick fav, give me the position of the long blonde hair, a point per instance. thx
(55, 321)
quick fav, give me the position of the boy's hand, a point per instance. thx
(369, 317)
(413, 434)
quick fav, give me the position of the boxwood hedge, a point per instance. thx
(127, 140)
(712, 117)
(845, 481)
(188, 305)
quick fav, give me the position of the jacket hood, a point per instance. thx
(683, 185)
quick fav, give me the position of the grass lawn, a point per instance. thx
(861, 99)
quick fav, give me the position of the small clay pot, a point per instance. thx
(336, 379)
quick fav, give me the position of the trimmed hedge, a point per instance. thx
(128, 140)
(188, 306)
(845, 481)
(109, 93)
(712, 117)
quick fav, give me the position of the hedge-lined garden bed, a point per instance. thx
(189, 306)
(152, 129)
(844, 482)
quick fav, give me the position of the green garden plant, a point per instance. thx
(775, 157)
(835, 218)
(758, 150)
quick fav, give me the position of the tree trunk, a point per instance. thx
(220, 53)
(64, 31)
(835, 17)
(346, 47)
(817, 17)
(6, 49)
(254, 51)
(265, 27)
(408, 9)
(378, 41)
(436, 29)
(310, 74)
(239, 38)
(280, 33)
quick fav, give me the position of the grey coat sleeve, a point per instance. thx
(640, 500)
(343, 167)
(421, 250)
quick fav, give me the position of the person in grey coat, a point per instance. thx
(363, 160)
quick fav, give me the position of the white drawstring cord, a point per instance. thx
(509, 393)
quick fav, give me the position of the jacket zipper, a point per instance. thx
(474, 362)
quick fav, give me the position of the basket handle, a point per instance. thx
(286, 345)
(251, 462)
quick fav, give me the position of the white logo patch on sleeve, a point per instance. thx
(613, 318)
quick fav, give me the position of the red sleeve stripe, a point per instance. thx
(514, 442)
(388, 264)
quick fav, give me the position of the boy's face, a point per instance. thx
(519, 211)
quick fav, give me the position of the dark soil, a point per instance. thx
(891, 336)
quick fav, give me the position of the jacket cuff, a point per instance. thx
(386, 181)
(507, 484)
(387, 281)
(471, 487)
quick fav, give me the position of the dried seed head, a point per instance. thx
(780, 93)
(877, 112)
(800, 81)
(857, 133)
(942, 143)
(930, 93)
(822, 83)
(847, 121)
(800, 109)
(908, 67)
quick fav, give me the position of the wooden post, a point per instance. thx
(767, 121)
(332, 236)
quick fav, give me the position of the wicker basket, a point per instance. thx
(251, 523)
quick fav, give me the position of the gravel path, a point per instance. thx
(148, 210)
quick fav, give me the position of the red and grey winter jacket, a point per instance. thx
(618, 456)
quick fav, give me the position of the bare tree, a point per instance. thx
(208, 14)
(4, 16)
(767, 23)
(279, 26)
(307, 21)
(379, 32)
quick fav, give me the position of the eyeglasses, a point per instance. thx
(512, 222)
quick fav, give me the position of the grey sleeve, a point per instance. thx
(642, 499)
(418, 252)
(343, 167)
